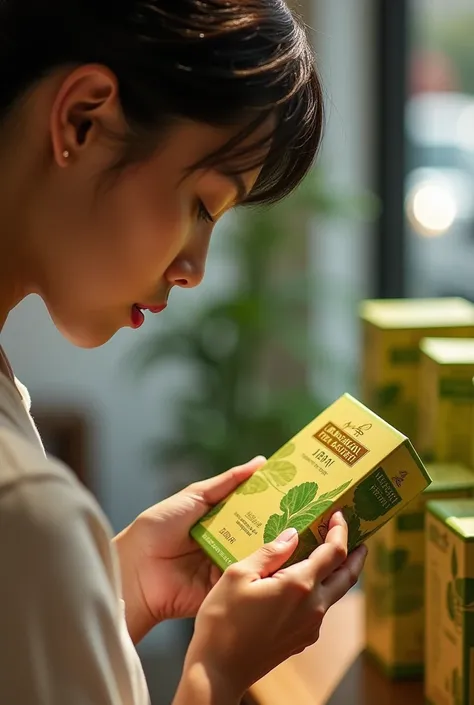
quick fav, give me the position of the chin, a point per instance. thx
(87, 337)
(84, 339)
(88, 333)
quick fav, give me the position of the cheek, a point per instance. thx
(132, 238)
(146, 230)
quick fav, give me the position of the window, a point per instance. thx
(439, 139)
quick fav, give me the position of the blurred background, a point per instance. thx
(236, 367)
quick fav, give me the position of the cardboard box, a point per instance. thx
(394, 577)
(446, 407)
(347, 458)
(392, 331)
(449, 678)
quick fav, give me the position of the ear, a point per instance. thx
(85, 109)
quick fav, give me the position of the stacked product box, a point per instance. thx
(394, 577)
(449, 674)
(392, 332)
(409, 388)
(446, 411)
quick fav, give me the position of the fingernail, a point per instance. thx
(339, 516)
(287, 535)
(259, 458)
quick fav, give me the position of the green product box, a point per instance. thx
(446, 413)
(394, 577)
(449, 675)
(392, 332)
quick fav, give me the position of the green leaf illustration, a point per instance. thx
(306, 545)
(402, 597)
(279, 472)
(215, 510)
(306, 517)
(353, 525)
(284, 452)
(454, 563)
(465, 591)
(299, 511)
(456, 687)
(388, 562)
(367, 502)
(275, 525)
(320, 506)
(450, 602)
(335, 493)
(298, 497)
(253, 485)
(364, 537)
(388, 394)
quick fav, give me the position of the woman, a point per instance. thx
(128, 128)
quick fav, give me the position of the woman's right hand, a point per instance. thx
(259, 614)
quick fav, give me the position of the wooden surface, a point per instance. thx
(365, 685)
(334, 671)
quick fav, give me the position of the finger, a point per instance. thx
(328, 557)
(270, 557)
(345, 577)
(215, 489)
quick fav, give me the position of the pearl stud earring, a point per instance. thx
(66, 154)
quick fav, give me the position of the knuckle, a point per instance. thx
(319, 612)
(301, 589)
(234, 571)
(352, 575)
(268, 550)
(339, 552)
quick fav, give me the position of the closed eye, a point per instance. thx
(203, 213)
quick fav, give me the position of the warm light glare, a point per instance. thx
(432, 209)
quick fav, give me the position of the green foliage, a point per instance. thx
(236, 407)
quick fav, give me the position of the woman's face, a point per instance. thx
(109, 243)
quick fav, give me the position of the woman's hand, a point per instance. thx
(165, 574)
(258, 614)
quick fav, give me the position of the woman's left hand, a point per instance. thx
(165, 574)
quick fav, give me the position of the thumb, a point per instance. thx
(215, 489)
(270, 557)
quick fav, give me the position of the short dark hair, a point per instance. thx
(220, 62)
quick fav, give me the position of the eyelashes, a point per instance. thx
(203, 213)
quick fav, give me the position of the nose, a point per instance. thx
(187, 270)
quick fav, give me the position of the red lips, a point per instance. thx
(152, 309)
(137, 315)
